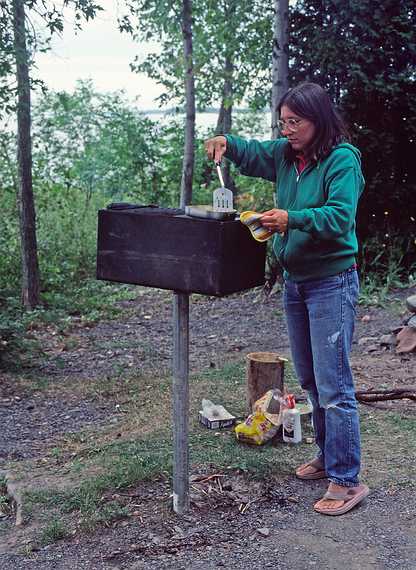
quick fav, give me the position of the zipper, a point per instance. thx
(298, 176)
(297, 173)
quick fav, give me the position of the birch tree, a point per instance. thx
(231, 42)
(189, 146)
(280, 59)
(231, 52)
(17, 44)
(30, 267)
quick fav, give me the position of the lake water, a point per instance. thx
(208, 121)
(205, 122)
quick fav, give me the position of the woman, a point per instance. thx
(318, 183)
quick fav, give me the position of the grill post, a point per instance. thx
(221, 258)
(180, 399)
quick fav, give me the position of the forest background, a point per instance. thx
(91, 148)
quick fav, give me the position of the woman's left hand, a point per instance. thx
(275, 220)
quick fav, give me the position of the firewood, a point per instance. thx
(383, 395)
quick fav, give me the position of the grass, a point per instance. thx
(389, 447)
(5, 503)
(389, 444)
(93, 467)
(55, 530)
(122, 466)
(104, 464)
(81, 305)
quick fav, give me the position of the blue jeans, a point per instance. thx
(320, 318)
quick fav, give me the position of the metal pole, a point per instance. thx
(180, 402)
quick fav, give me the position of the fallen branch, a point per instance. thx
(382, 395)
(204, 478)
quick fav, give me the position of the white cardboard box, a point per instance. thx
(224, 420)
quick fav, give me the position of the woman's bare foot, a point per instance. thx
(312, 470)
(340, 499)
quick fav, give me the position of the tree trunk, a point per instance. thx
(30, 268)
(189, 146)
(265, 371)
(280, 59)
(224, 122)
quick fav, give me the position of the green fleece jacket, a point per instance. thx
(321, 203)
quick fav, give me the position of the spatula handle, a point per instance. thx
(218, 164)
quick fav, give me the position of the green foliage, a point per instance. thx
(12, 334)
(365, 54)
(229, 31)
(89, 144)
(47, 16)
(66, 202)
(383, 268)
(92, 142)
(89, 149)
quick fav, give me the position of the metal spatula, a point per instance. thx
(222, 198)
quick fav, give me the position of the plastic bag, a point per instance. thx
(256, 429)
(271, 404)
(263, 424)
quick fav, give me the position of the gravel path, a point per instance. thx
(29, 423)
(277, 534)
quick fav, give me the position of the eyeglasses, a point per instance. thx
(291, 125)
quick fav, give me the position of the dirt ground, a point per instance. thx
(278, 528)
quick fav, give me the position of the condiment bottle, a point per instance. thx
(292, 429)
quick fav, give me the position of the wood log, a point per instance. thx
(265, 371)
(366, 396)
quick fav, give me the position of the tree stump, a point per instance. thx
(265, 371)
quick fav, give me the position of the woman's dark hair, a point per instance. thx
(310, 101)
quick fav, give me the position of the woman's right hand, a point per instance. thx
(216, 147)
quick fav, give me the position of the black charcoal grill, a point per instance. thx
(164, 248)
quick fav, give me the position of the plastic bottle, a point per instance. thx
(292, 429)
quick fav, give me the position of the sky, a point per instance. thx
(98, 52)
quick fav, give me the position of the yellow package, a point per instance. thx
(256, 429)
